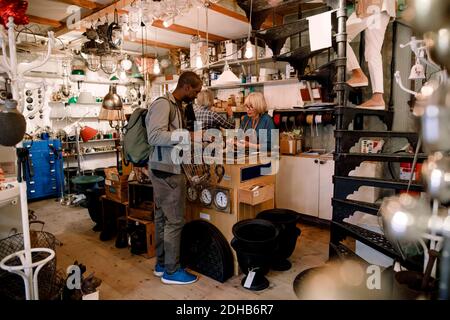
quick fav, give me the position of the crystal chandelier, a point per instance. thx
(149, 11)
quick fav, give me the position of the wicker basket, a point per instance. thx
(50, 282)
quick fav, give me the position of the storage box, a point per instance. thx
(231, 50)
(256, 194)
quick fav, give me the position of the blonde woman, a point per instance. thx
(257, 117)
(209, 118)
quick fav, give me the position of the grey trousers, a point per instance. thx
(170, 200)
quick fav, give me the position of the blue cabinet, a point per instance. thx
(46, 164)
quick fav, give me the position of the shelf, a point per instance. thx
(131, 81)
(221, 64)
(70, 142)
(91, 153)
(254, 84)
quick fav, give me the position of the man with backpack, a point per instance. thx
(165, 115)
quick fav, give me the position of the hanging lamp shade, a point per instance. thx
(112, 100)
(111, 115)
(87, 133)
(227, 76)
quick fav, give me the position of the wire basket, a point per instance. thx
(11, 285)
(197, 173)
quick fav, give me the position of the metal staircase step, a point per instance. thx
(371, 134)
(343, 253)
(346, 162)
(393, 157)
(349, 114)
(345, 186)
(342, 208)
(348, 138)
(374, 240)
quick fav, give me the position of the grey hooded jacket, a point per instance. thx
(163, 118)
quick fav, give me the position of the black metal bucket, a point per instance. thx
(286, 222)
(255, 241)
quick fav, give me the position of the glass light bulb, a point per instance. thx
(126, 64)
(156, 68)
(198, 61)
(248, 50)
(167, 23)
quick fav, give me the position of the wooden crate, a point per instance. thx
(252, 197)
(111, 211)
(150, 235)
(141, 201)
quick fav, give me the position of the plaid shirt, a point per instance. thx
(211, 119)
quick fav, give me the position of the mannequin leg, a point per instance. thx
(355, 26)
(374, 42)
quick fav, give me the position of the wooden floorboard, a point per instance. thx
(127, 276)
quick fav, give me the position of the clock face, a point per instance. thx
(221, 200)
(206, 197)
(192, 193)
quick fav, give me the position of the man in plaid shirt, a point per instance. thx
(209, 118)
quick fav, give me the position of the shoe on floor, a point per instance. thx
(180, 276)
(159, 270)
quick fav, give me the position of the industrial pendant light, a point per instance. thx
(126, 63)
(156, 67)
(112, 100)
(198, 58)
(248, 50)
(248, 46)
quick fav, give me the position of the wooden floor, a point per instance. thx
(126, 276)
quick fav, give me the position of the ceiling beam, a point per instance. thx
(82, 3)
(186, 30)
(44, 21)
(99, 12)
(152, 43)
(228, 12)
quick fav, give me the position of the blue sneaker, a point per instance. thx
(159, 270)
(180, 276)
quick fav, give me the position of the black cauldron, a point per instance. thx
(255, 241)
(286, 222)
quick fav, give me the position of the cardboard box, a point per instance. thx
(254, 195)
(116, 186)
(290, 144)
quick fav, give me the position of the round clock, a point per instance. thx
(221, 200)
(206, 197)
(192, 194)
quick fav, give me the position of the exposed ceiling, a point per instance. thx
(226, 20)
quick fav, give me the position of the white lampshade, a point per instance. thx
(227, 76)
